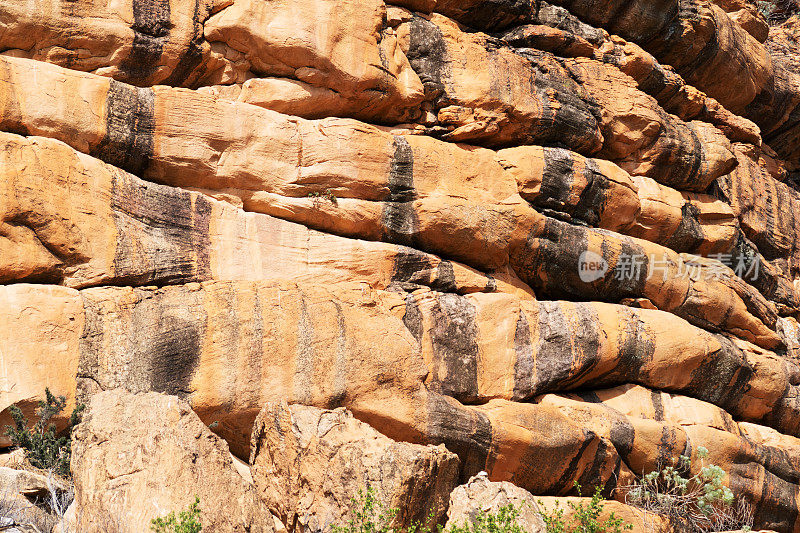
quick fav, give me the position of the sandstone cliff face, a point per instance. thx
(559, 239)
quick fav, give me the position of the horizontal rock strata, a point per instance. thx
(414, 242)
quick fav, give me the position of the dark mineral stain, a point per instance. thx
(413, 318)
(454, 339)
(162, 234)
(400, 222)
(465, 432)
(427, 54)
(622, 436)
(193, 57)
(689, 234)
(151, 29)
(130, 126)
(567, 349)
(524, 364)
(724, 376)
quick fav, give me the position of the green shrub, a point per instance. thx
(503, 521)
(585, 517)
(187, 521)
(368, 515)
(700, 502)
(43, 447)
(777, 11)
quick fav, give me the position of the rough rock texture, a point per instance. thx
(558, 238)
(309, 464)
(139, 456)
(479, 495)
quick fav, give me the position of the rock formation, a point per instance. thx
(479, 495)
(416, 241)
(136, 457)
(309, 464)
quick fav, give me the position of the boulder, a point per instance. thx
(136, 457)
(310, 464)
(479, 495)
(28, 500)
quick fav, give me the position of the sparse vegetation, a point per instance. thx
(327, 194)
(585, 517)
(699, 503)
(503, 521)
(778, 11)
(187, 521)
(368, 515)
(43, 446)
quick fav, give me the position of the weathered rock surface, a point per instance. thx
(385, 185)
(559, 240)
(479, 495)
(309, 464)
(136, 457)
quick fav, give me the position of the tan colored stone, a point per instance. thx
(486, 93)
(508, 231)
(136, 457)
(341, 53)
(132, 41)
(644, 140)
(33, 358)
(309, 465)
(95, 224)
(479, 495)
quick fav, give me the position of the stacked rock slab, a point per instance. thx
(539, 242)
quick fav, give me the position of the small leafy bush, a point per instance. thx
(43, 447)
(585, 517)
(187, 521)
(778, 11)
(369, 515)
(327, 194)
(699, 503)
(503, 521)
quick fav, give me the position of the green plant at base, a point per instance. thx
(369, 515)
(327, 194)
(700, 503)
(43, 447)
(187, 521)
(503, 521)
(584, 517)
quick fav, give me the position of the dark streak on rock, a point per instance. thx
(622, 436)
(723, 378)
(162, 235)
(570, 473)
(464, 431)
(306, 355)
(454, 340)
(193, 57)
(658, 405)
(151, 27)
(427, 54)
(524, 363)
(130, 125)
(413, 318)
(689, 235)
(636, 347)
(401, 224)
(566, 350)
